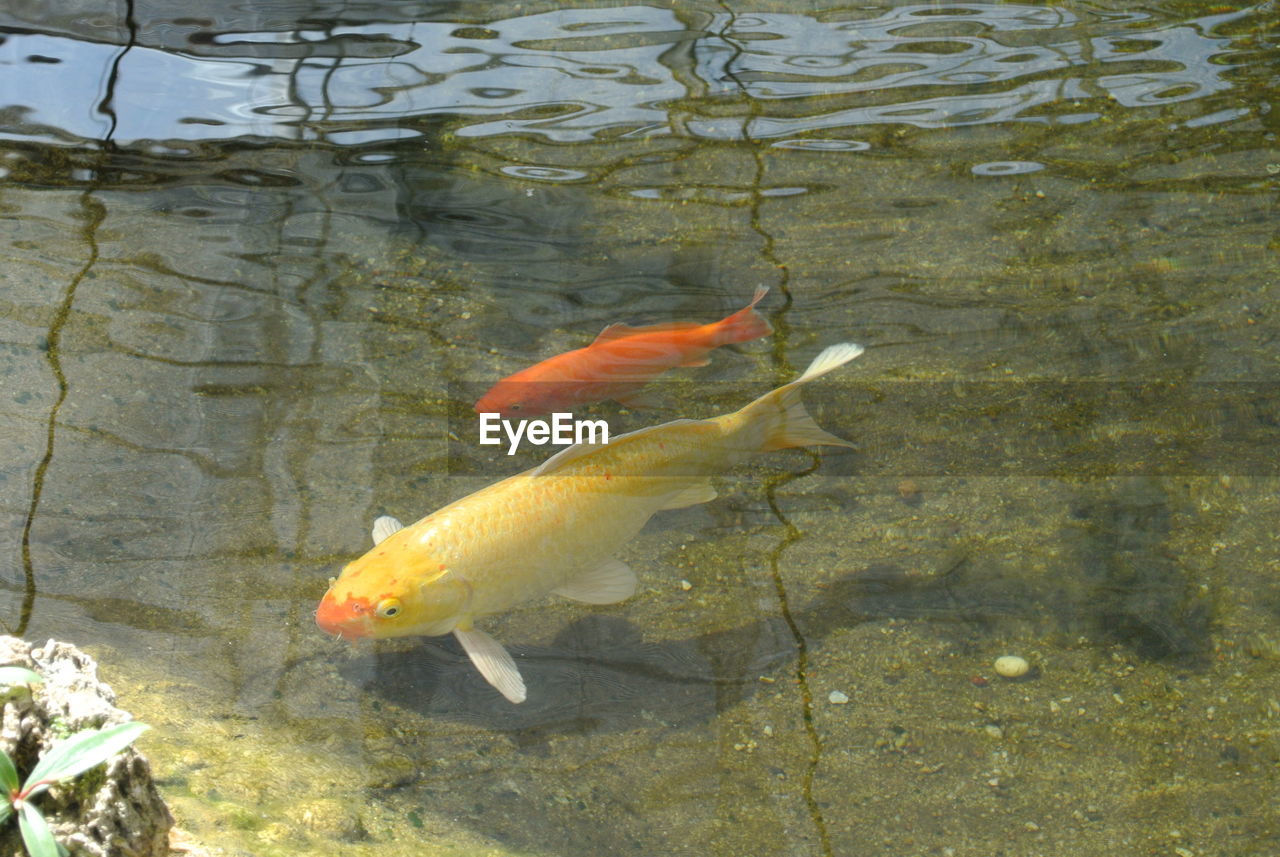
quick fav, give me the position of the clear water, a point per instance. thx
(258, 262)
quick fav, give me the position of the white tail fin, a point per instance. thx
(831, 357)
(780, 416)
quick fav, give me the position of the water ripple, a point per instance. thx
(824, 145)
(1007, 168)
(576, 75)
(544, 174)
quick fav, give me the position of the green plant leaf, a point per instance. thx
(8, 774)
(79, 753)
(36, 834)
(13, 676)
(6, 810)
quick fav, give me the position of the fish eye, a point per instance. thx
(514, 406)
(388, 607)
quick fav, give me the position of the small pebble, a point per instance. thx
(835, 697)
(686, 585)
(1011, 666)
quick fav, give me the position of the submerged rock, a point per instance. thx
(109, 811)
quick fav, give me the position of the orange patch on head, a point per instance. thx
(344, 618)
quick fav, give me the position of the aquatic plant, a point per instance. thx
(68, 758)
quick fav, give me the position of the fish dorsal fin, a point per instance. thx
(614, 331)
(493, 661)
(699, 492)
(608, 583)
(621, 331)
(383, 526)
(578, 450)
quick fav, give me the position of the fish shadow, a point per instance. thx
(601, 673)
(598, 674)
(1131, 588)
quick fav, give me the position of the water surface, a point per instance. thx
(259, 262)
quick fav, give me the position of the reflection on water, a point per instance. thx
(575, 75)
(256, 263)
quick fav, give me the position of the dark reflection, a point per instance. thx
(1132, 590)
(137, 615)
(492, 219)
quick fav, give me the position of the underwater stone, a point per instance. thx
(1011, 666)
(108, 811)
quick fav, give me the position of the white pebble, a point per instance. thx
(835, 697)
(1011, 666)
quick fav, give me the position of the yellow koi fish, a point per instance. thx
(553, 529)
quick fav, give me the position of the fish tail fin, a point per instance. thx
(779, 418)
(745, 324)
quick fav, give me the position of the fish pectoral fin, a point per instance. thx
(493, 661)
(608, 583)
(699, 492)
(383, 526)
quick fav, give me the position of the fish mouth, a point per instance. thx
(338, 623)
(344, 633)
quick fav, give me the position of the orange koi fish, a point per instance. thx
(621, 360)
(553, 529)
